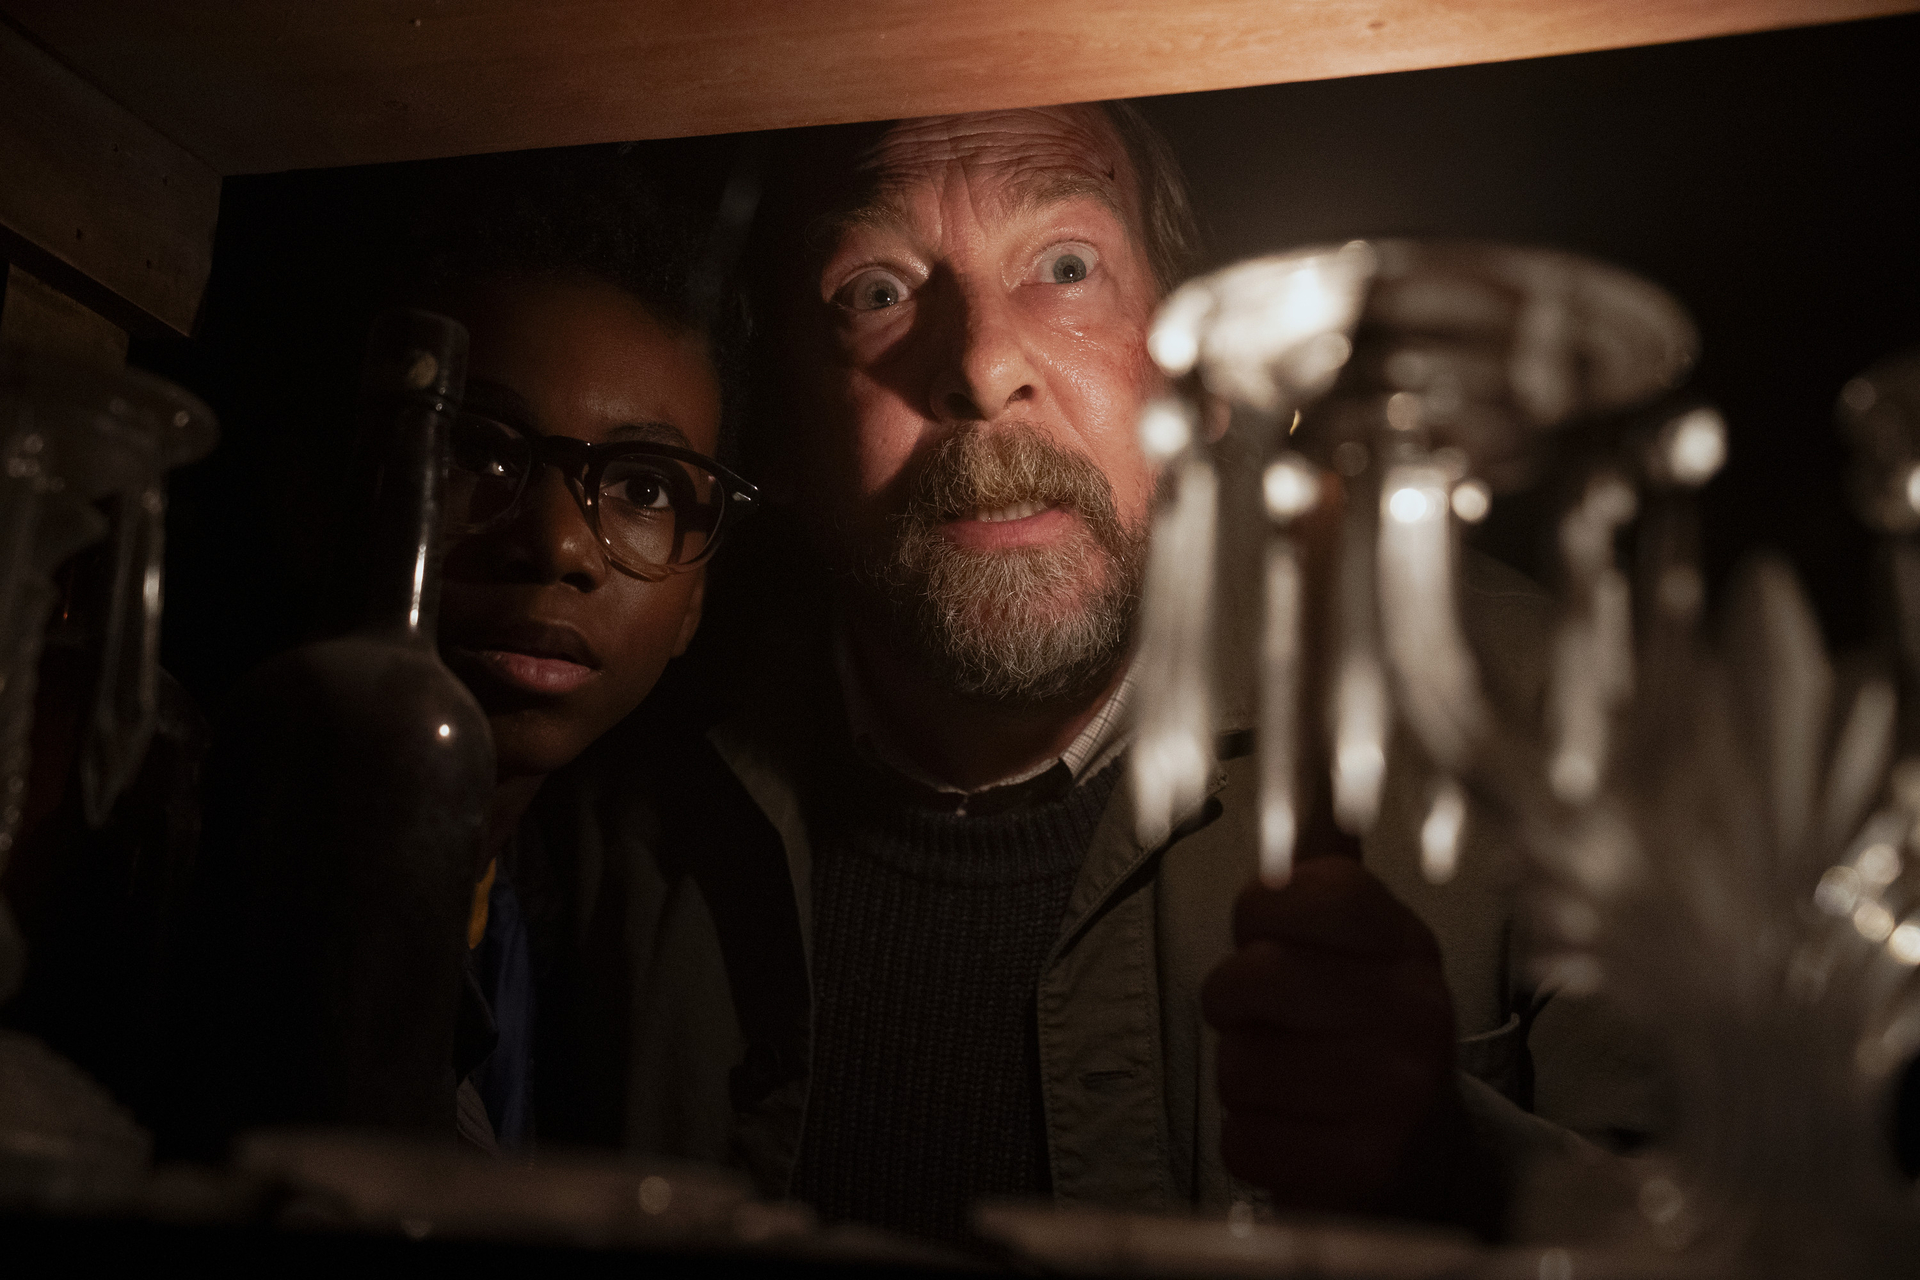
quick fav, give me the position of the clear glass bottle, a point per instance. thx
(320, 967)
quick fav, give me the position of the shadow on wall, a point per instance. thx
(1769, 181)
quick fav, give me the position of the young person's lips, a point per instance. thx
(534, 658)
(1016, 525)
(533, 672)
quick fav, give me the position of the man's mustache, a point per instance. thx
(983, 471)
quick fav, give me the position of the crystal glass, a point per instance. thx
(83, 457)
(1718, 829)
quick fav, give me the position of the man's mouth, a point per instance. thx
(1018, 524)
(1018, 511)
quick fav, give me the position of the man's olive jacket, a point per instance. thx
(675, 1003)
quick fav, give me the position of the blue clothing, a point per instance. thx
(503, 966)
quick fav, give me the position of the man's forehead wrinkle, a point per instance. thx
(890, 203)
(1058, 138)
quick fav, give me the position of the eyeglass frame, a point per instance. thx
(582, 464)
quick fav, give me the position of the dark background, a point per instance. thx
(1772, 182)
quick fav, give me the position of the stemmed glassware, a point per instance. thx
(84, 455)
(1715, 828)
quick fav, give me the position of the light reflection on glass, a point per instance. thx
(1472, 500)
(1695, 446)
(1440, 833)
(1872, 920)
(1407, 505)
(1291, 486)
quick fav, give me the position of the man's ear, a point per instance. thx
(690, 620)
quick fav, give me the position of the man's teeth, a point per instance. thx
(1018, 511)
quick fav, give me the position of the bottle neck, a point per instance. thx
(414, 377)
(402, 600)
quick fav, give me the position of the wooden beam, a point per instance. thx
(96, 203)
(254, 85)
(38, 320)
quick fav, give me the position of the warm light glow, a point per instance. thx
(1292, 488)
(446, 731)
(1873, 921)
(1472, 500)
(1164, 430)
(1408, 505)
(1440, 833)
(1403, 411)
(1878, 864)
(1278, 831)
(419, 586)
(1697, 447)
(1838, 891)
(1574, 776)
(1174, 341)
(1904, 943)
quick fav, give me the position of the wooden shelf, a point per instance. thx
(215, 87)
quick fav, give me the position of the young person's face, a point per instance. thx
(557, 643)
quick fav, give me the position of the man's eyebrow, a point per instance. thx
(650, 432)
(1031, 192)
(1025, 194)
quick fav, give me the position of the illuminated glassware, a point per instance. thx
(1719, 835)
(83, 457)
(1430, 377)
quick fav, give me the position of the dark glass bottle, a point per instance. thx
(321, 960)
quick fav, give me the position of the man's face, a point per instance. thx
(986, 361)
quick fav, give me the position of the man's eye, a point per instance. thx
(873, 290)
(1067, 264)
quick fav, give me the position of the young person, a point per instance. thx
(583, 503)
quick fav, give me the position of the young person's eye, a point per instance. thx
(641, 490)
(1068, 263)
(874, 289)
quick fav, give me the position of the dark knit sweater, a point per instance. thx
(930, 930)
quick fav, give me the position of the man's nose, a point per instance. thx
(549, 540)
(985, 368)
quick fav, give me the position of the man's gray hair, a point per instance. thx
(1167, 224)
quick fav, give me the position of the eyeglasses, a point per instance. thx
(655, 508)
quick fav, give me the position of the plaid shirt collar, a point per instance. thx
(1096, 746)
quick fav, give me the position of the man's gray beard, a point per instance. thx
(1027, 626)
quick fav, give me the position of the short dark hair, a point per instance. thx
(592, 212)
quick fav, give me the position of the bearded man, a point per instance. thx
(905, 950)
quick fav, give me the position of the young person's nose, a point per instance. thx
(983, 368)
(549, 540)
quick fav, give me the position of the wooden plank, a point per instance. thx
(255, 85)
(39, 320)
(96, 203)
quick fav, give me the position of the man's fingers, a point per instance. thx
(1364, 1078)
(1334, 903)
(1310, 989)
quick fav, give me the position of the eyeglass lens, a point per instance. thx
(653, 511)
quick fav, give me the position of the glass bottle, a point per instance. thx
(321, 963)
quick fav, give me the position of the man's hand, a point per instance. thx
(1336, 1046)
